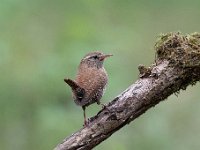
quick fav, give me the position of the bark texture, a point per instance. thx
(177, 65)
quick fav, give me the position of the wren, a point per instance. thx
(90, 82)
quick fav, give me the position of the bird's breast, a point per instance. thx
(94, 81)
(92, 78)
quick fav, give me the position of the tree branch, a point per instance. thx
(177, 65)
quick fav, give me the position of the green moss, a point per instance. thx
(182, 50)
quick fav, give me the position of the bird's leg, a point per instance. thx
(103, 105)
(84, 114)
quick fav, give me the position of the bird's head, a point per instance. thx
(95, 59)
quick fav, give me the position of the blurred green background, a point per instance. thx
(42, 41)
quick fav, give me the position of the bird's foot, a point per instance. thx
(86, 123)
(104, 106)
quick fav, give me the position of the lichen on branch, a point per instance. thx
(179, 49)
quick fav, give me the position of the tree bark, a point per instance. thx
(177, 65)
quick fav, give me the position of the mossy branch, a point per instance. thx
(177, 65)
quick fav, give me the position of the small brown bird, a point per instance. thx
(90, 82)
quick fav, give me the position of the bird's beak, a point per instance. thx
(102, 57)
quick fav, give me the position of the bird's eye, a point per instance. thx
(95, 57)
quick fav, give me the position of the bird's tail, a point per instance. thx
(71, 83)
(78, 91)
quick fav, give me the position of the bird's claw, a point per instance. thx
(103, 106)
(86, 123)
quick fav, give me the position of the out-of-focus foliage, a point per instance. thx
(42, 41)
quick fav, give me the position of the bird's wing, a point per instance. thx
(78, 91)
(97, 92)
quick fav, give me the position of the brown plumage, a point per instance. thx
(90, 82)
